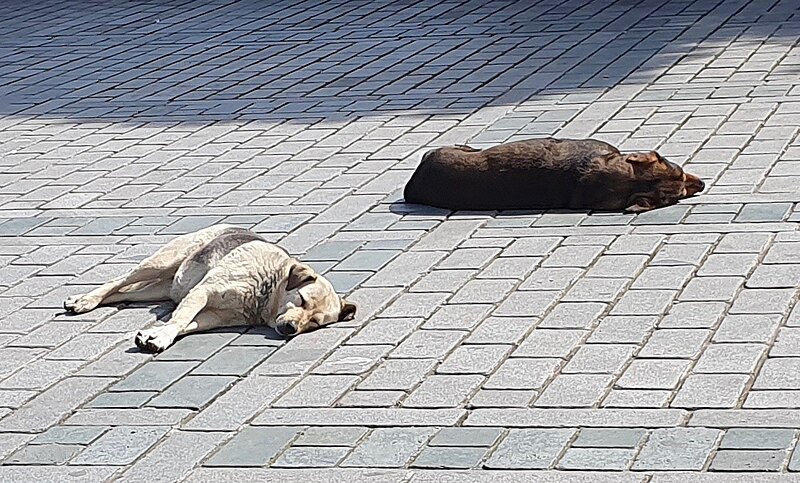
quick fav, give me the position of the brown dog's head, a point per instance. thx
(309, 302)
(659, 182)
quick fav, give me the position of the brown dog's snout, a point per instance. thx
(694, 185)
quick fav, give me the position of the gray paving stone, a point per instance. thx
(623, 329)
(444, 457)
(529, 449)
(330, 436)
(233, 361)
(748, 460)
(154, 376)
(573, 316)
(131, 399)
(675, 343)
(253, 446)
(609, 438)
(598, 459)
(121, 445)
(428, 344)
(677, 449)
(502, 398)
(399, 374)
(458, 316)
(192, 392)
(730, 358)
(174, 457)
(70, 435)
(474, 359)
(404, 444)
(574, 390)
(317, 391)
(653, 374)
(443, 391)
(710, 390)
(44, 454)
(461, 436)
(747, 328)
(198, 347)
(310, 457)
(763, 439)
(522, 373)
(690, 315)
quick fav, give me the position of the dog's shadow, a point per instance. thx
(163, 312)
(411, 209)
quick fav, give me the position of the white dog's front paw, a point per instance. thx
(156, 339)
(79, 304)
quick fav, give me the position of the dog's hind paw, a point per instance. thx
(154, 340)
(80, 304)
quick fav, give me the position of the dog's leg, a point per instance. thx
(162, 265)
(151, 291)
(159, 338)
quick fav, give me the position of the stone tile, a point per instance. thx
(574, 390)
(597, 459)
(500, 330)
(233, 361)
(711, 288)
(174, 457)
(121, 445)
(519, 373)
(573, 316)
(428, 344)
(198, 347)
(317, 391)
(405, 443)
(673, 449)
(310, 457)
(444, 457)
(353, 359)
(44, 454)
(748, 460)
(474, 359)
(398, 374)
(599, 359)
(461, 436)
(443, 391)
(192, 392)
(675, 343)
(693, 315)
(644, 302)
(483, 291)
(330, 436)
(710, 391)
(529, 449)
(730, 358)
(502, 398)
(762, 439)
(253, 446)
(371, 399)
(747, 328)
(527, 304)
(623, 329)
(653, 374)
(595, 290)
(131, 399)
(609, 438)
(69, 435)
(464, 317)
(385, 331)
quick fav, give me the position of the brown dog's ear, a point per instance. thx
(300, 274)
(643, 158)
(640, 205)
(348, 310)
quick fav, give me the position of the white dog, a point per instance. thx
(223, 276)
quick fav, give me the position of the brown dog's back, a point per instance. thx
(532, 174)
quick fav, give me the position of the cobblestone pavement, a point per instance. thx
(654, 345)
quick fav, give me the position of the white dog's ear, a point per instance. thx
(348, 310)
(300, 274)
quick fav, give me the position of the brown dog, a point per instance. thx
(548, 174)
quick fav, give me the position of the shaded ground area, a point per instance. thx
(602, 347)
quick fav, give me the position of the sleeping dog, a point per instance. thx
(223, 276)
(548, 174)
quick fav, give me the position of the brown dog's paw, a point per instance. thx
(80, 304)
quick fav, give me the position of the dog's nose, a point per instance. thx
(694, 185)
(286, 329)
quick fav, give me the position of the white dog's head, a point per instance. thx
(309, 302)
